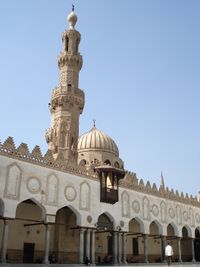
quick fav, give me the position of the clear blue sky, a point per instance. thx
(141, 76)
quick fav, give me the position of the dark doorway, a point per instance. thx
(197, 245)
(110, 245)
(135, 246)
(28, 256)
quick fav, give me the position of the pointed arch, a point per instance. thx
(52, 189)
(38, 204)
(69, 211)
(106, 221)
(13, 181)
(146, 208)
(84, 203)
(155, 228)
(163, 211)
(139, 222)
(186, 231)
(125, 204)
(160, 227)
(191, 217)
(178, 215)
(74, 210)
(172, 228)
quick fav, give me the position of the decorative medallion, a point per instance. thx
(155, 210)
(197, 217)
(89, 218)
(33, 185)
(171, 213)
(136, 206)
(121, 223)
(70, 193)
(185, 215)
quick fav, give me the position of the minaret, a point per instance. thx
(67, 100)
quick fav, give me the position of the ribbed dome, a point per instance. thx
(97, 141)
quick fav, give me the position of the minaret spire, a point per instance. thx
(162, 184)
(67, 100)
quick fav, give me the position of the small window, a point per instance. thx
(82, 163)
(107, 162)
(67, 44)
(116, 164)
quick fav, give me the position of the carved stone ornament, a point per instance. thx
(155, 210)
(185, 215)
(89, 218)
(121, 223)
(136, 206)
(171, 213)
(33, 185)
(197, 217)
(70, 193)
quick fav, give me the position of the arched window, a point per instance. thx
(82, 163)
(116, 164)
(67, 44)
(107, 162)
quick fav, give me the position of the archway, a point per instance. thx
(104, 239)
(172, 240)
(197, 244)
(186, 245)
(154, 242)
(26, 233)
(135, 247)
(65, 246)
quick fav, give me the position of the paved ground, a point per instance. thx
(185, 264)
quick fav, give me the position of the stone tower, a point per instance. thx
(67, 100)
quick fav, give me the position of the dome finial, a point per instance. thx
(72, 19)
(94, 123)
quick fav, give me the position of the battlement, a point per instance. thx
(22, 152)
(131, 181)
(8, 148)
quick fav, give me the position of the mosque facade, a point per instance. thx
(77, 201)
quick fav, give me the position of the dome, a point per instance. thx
(72, 19)
(95, 140)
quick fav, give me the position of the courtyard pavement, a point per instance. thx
(185, 264)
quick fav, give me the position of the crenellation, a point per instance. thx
(23, 149)
(36, 153)
(9, 143)
(148, 187)
(155, 189)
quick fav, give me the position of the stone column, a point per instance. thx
(179, 250)
(88, 244)
(46, 245)
(4, 242)
(124, 235)
(93, 247)
(163, 242)
(114, 236)
(81, 246)
(145, 248)
(119, 237)
(193, 253)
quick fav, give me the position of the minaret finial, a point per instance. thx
(72, 19)
(94, 123)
